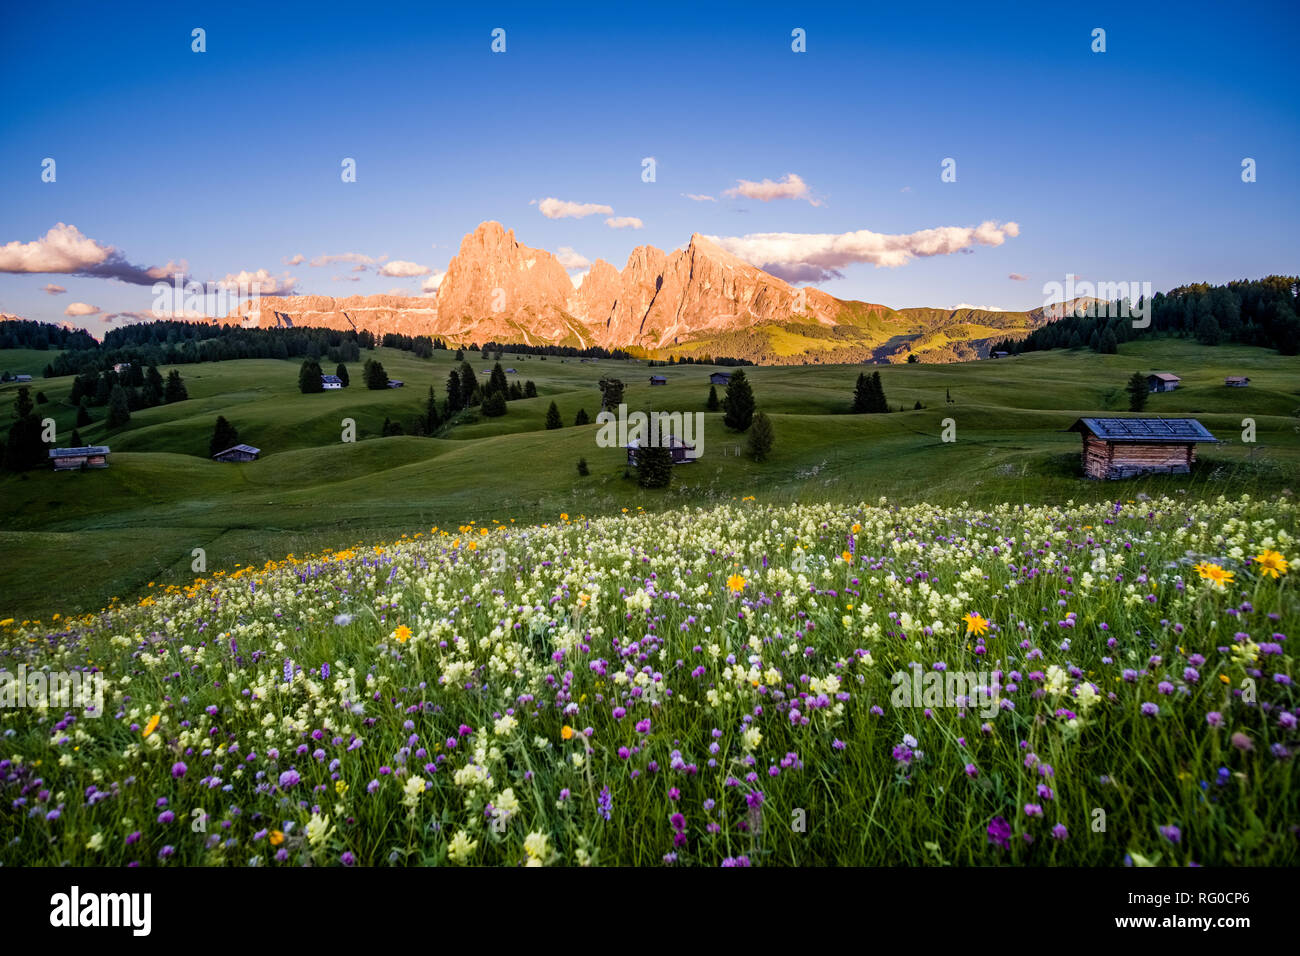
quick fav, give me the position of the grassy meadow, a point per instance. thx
(72, 541)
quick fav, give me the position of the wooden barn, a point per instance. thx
(1125, 447)
(720, 378)
(658, 380)
(238, 453)
(89, 456)
(1162, 382)
(1236, 381)
(331, 382)
(681, 450)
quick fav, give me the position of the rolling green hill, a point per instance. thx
(71, 541)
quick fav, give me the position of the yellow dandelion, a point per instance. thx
(975, 624)
(403, 634)
(1271, 564)
(736, 583)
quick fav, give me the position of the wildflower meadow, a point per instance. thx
(741, 685)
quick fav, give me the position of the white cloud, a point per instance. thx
(81, 308)
(65, 250)
(346, 257)
(570, 259)
(624, 222)
(53, 289)
(977, 308)
(400, 269)
(431, 284)
(809, 257)
(297, 260)
(698, 197)
(560, 209)
(791, 187)
(261, 282)
(346, 278)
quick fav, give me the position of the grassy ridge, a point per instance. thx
(71, 541)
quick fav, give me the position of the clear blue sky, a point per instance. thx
(1123, 165)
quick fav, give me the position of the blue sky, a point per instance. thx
(1115, 166)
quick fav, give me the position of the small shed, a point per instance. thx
(1125, 447)
(238, 453)
(22, 378)
(720, 378)
(331, 382)
(681, 451)
(999, 355)
(1162, 382)
(658, 380)
(88, 456)
(511, 371)
(1236, 381)
(394, 383)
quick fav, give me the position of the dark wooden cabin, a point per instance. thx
(1125, 447)
(88, 456)
(1162, 382)
(238, 453)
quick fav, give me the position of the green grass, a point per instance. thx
(71, 541)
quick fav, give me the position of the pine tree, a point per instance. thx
(224, 436)
(309, 378)
(374, 374)
(761, 437)
(342, 373)
(861, 395)
(530, 390)
(497, 381)
(24, 448)
(553, 417)
(583, 470)
(470, 393)
(1108, 345)
(739, 403)
(83, 415)
(432, 420)
(453, 393)
(611, 392)
(1137, 392)
(103, 389)
(654, 466)
(76, 440)
(119, 409)
(153, 387)
(581, 418)
(712, 404)
(494, 404)
(174, 390)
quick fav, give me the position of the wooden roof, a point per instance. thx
(79, 452)
(1165, 376)
(1145, 431)
(246, 449)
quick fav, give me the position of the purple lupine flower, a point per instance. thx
(178, 769)
(605, 805)
(1171, 833)
(1059, 832)
(999, 833)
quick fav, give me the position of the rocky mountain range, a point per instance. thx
(699, 300)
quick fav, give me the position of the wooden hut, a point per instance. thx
(720, 378)
(1162, 382)
(1125, 447)
(1236, 381)
(238, 453)
(658, 380)
(682, 452)
(88, 456)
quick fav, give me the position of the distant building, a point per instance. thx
(720, 378)
(89, 456)
(681, 450)
(394, 383)
(1162, 382)
(511, 371)
(238, 453)
(331, 382)
(1125, 447)
(22, 378)
(999, 355)
(121, 367)
(1236, 381)
(658, 380)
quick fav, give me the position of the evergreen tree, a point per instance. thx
(494, 404)
(342, 373)
(739, 403)
(374, 374)
(516, 390)
(654, 466)
(460, 355)
(76, 440)
(878, 401)
(1137, 392)
(761, 437)
(470, 392)
(553, 417)
(712, 404)
(40, 398)
(24, 448)
(135, 375)
(918, 405)
(453, 393)
(611, 392)
(1108, 345)
(83, 415)
(153, 387)
(309, 378)
(581, 418)
(103, 389)
(432, 420)
(497, 381)
(583, 470)
(1208, 331)
(224, 436)
(530, 390)
(174, 390)
(861, 395)
(119, 410)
